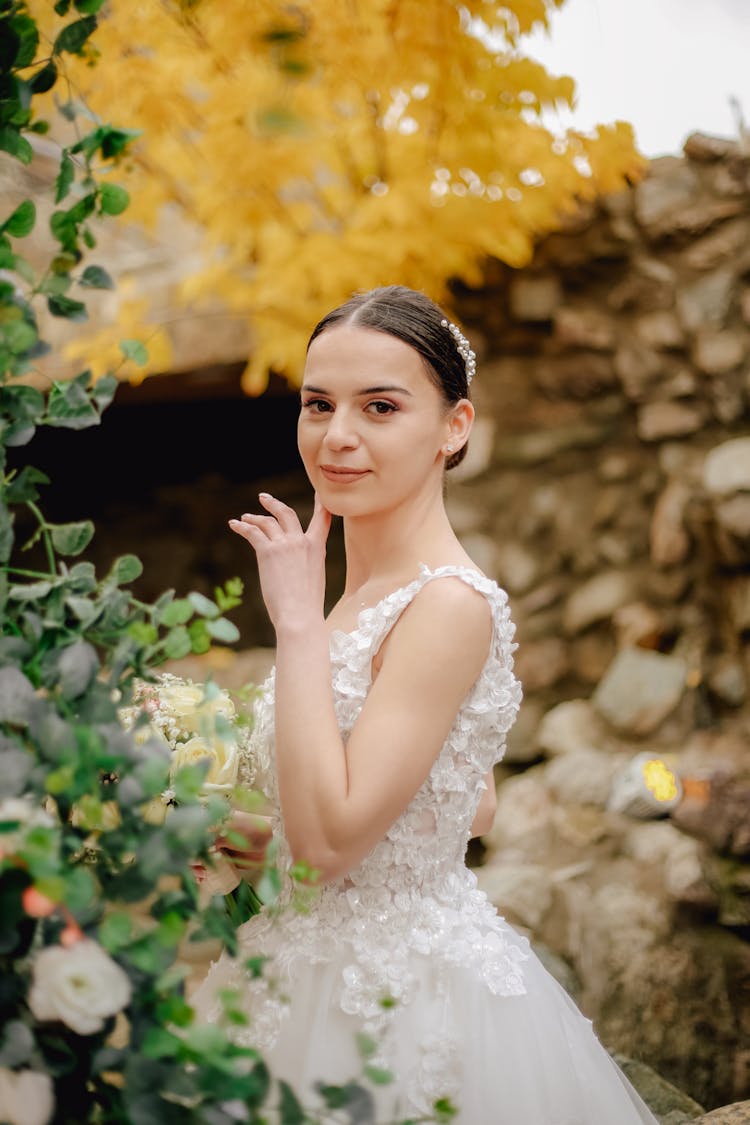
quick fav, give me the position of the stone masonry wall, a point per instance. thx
(608, 489)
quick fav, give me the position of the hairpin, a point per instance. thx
(464, 349)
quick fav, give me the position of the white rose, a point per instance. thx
(25, 1097)
(191, 708)
(80, 985)
(221, 755)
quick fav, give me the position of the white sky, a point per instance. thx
(668, 66)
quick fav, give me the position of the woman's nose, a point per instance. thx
(341, 432)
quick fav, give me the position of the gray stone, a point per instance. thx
(524, 809)
(535, 298)
(726, 243)
(592, 654)
(736, 1114)
(727, 681)
(582, 777)
(517, 567)
(584, 328)
(648, 285)
(727, 467)
(638, 624)
(660, 420)
(569, 726)
(542, 663)
(706, 149)
(639, 690)
(706, 301)
(579, 376)
(738, 602)
(733, 521)
(670, 542)
(670, 1105)
(520, 742)
(479, 453)
(716, 353)
(522, 892)
(596, 600)
(542, 445)
(670, 186)
(660, 329)
(637, 368)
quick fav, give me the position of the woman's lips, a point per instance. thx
(342, 475)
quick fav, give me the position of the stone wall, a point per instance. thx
(609, 491)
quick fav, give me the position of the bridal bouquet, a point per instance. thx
(199, 724)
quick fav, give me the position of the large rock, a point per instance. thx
(535, 298)
(582, 777)
(736, 1114)
(707, 301)
(727, 467)
(522, 892)
(717, 353)
(596, 600)
(660, 420)
(671, 186)
(640, 690)
(569, 726)
(670, 542)
(542, 663)
(719, 814)
(668, 1104)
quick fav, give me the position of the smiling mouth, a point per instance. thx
(341, 474)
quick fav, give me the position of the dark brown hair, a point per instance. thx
(412, 317)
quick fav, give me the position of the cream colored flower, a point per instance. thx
(26, 1097)
(94, 815)
(221, 755)
(191, 710)
(80, 985)
(155, 811)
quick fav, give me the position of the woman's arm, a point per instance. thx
(338, 801)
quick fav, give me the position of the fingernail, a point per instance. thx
(265, 496)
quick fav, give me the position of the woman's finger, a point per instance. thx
(270, 526)
(320, 524)
(248, 531)
(287, 517)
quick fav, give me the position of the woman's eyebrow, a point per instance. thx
(306, 387)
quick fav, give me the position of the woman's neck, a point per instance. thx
(384, 549)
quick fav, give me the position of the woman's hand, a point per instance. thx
(244, 841)
(291, 562)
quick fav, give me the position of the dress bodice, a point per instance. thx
(413, 892)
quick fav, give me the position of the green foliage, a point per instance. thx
(78, 847)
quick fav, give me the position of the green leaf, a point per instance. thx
(177, 612)
(203, 605)
(177, 643)
(378, 1075)
(135, 350)
(290, 1109)
(61, 7)
(143, 633)
(89, 6)
(103, 390)
(77, 666)
(28, 35)
(125, 569)
(44, 79)
(200, 639)
(65, 178)
(94, 277)
(68, 405)
(73, 37)
(11, 141)
(21, 222)
(223, 630)
(67, 308)
(113, 199)
(23, 486)
(72, 538)
(116, 931)
(19, 336)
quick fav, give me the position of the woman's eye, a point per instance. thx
(317, 405)
(381, 407)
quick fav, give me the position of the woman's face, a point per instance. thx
(372, 425)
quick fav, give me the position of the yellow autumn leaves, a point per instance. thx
(329, 146)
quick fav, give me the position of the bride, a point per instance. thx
(374, 740)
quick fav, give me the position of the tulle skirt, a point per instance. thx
(531, 1059)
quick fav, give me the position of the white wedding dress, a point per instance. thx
(407, 950)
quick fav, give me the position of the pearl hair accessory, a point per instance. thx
(464, 349)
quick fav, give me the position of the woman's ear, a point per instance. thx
(460, 421)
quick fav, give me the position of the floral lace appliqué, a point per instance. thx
(412, 895)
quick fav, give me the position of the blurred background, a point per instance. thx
(292, 155)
